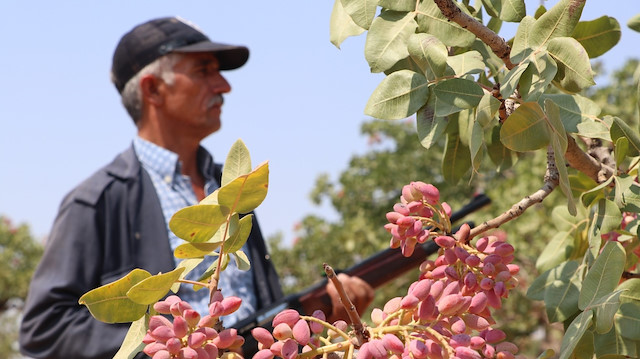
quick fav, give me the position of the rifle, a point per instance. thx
(376, 270)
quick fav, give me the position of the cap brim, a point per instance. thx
(230, 56)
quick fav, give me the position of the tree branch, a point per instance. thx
(586, 164)
(495, 42)
(551, 181)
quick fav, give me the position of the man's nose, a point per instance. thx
(220, 84)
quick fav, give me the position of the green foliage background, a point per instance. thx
(19, 255)
(369, 187)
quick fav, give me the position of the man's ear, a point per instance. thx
(150, 87)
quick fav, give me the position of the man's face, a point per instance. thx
(195, 97)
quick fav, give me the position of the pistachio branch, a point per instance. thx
(497, 44)
(361, 334)
(551, 181)
(596, 169)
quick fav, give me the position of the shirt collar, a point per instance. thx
(166, 164)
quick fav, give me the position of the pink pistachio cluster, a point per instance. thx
(457, 291)
(445, 314)
(290, 330)
(191, 336)
(419, 207)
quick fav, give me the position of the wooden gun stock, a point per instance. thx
(376, 270)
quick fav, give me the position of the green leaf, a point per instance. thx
(431, 21)
(598, 36)
(559, 21)
(132, 343)
(408, 63)
(623, 184)
(476, 145)
(198, 223)
(574, 68)
(631, 291)
(574, 110)
(242, 261)
(154, 288)
(387, 39)
(429, 128)
(487, 110)
(457, 158)
(460, 93)
(621, 149)
(511, 80)
(430, 51)
(398, 96)
(561, 298)
(589, 197)
(619, 129)
(470, 62)
(606, 307)
(110, 304)
(603, 277)
(559, 145)
(341, 25)
(628, 320)
(443, 108)
(398, 5)
(566, 272)
(506, 10)
(195, 250)
(574, 333)
(246, 192)
(526, 129)
(361, 11)
(539, 74)
(631, 197)
(612, 345)
(238, 162)
(558, 250)
(634, 23)
(609, 216)
(584, 349)
(593, 129)
(240, 235)
(501, 156)
(521, 48)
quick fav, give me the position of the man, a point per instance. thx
(168, 74)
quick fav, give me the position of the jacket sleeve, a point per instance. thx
(54, 324)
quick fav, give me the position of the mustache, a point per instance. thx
(216, 100)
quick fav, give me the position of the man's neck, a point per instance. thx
(187, 150)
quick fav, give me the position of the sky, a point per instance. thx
(298, 102)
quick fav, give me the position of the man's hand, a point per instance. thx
(360, 293)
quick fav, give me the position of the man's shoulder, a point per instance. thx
(123, 168)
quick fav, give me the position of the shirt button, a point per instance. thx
(167, 179)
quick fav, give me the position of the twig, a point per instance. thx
(551, 181)
(361, 334)
(495, 42)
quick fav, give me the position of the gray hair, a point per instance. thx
(132, 94)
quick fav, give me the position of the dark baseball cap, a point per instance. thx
(149, 41)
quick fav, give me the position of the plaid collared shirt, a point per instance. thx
(175, 192)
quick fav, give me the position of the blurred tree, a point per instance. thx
(19, 254)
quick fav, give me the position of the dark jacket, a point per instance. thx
(107, 226)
